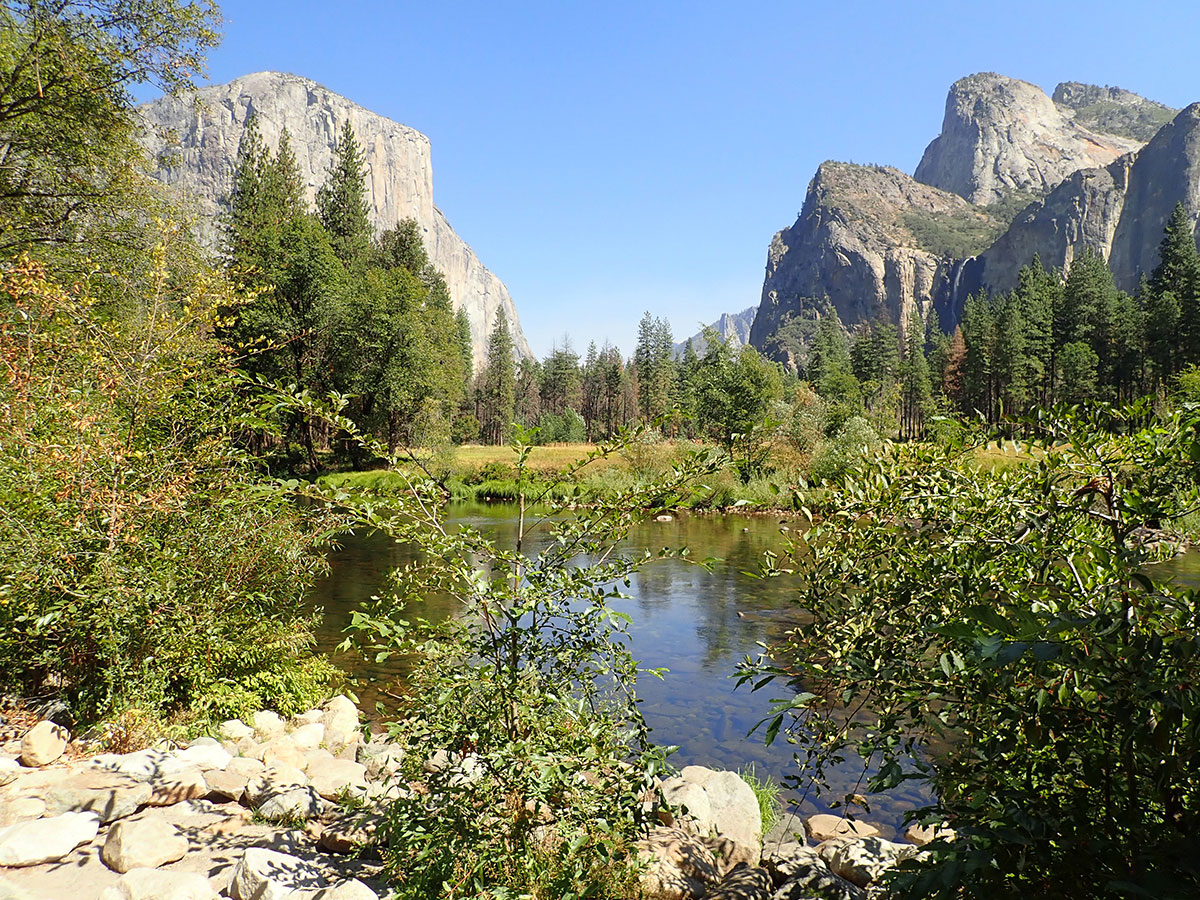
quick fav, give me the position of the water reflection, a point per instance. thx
(696, 623)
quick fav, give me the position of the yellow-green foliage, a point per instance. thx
(145, 564)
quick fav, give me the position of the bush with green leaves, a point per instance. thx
(521, 721)
(1004, 638)
(855, 441)
(146, 564)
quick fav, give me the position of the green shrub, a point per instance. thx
(856, 441)
(1003, 638)
(521, 723)
(146, 564)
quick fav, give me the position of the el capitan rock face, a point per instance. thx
(1013, 174)
(194, 140)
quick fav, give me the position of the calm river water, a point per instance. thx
(696, 623)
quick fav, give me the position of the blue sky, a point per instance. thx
(609, 158)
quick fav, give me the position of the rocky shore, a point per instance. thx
(273, 809)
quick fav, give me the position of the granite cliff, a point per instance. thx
(194, 138)
(1001, 135)
(1014, 173)
(734, 328)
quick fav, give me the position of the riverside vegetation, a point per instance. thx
(164, 412)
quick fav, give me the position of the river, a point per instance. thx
(696, 623)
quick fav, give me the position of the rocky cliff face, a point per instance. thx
(1118, 211)
(1001, 136)
(734, 328)
(876, 242)
(194, 139)
(1166, 172)
(854, 246)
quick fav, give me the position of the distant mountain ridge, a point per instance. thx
(1013, 173)
(194, 139)
(733, 327)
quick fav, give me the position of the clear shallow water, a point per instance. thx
(696, 623)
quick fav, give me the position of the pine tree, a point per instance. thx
(1178, 273)
(499, 384)
(342, 200)
(653, 360)
(953, 375)
(283, 184)
(1162, 315)
(247, 200)
(914, 373)
(1040, 293)
(1088, 305)
(979, 340)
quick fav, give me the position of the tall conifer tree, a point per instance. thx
(342, 200)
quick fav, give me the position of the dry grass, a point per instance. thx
(549, 458)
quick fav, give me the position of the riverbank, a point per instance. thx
(553, 475)
(294, 809)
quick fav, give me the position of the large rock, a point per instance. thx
(9, 770)
(267, 724)
(205, 753)
(1166, 172)
(863, 861)
(920, 835)
(230, 786)
(308, 737)
(742, 882)
(272, 781)
(350, 831)
(235, 730)
(294, 805)
(282, 751)
(269, 875)
(719, 804)
(44, 743)
(109, 795)
(20, 808)
(144, 844)
(1072, 174)
(799, 873)
(332, 778)
(1001, 136)
(854, 243)
(46, 840)
(143, 765)
(732, 328)
(1112, 110)
(152, 884)
(824, 827)
(195, 138)
(10, 891)
(676, 864)
(175, 787)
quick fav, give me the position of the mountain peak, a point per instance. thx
(1002, 137)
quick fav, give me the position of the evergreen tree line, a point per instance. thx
(336, 310)
(1068, 337)
(722, 396)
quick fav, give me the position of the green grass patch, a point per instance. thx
(766, 792)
